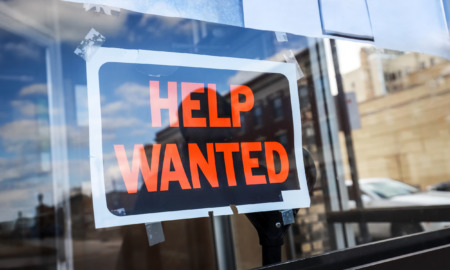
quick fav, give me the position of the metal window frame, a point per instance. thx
(15, 22)
(372, 253)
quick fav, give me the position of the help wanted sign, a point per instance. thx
(175, 136)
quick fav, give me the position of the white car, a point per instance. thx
(385, 192)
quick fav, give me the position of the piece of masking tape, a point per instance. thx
(234, 209)
(287, 216)
(102, 8)
(119, 212)
(90, 44)
(290, 58)
(281, 36)
(155, 233)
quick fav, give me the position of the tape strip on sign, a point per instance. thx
(102, 8)
(90, 44)
(281, 36)
(155, 233)
(288, 216)
(199, 139)
(290, 58)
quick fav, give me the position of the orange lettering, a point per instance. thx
(157, 103)
(274, 177)
(214, 120)
(189, 105)
(130, 177)
(238, 107)
(228, 149)
(171, 155)
(250, 163)
(150, 175)
(196, 159)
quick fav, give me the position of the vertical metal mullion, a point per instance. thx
(327, 114)
(332, 204)
(335, 144)
(345, 122)
(223, 240)
(58, 142)
(15, 22)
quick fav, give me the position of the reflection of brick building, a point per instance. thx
(266, 118)
(269, 119)
(268, 122)
(405, 129)
(383, 72)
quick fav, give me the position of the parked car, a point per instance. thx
(445, 186)
(385, 193)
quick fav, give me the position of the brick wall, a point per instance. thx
(406, 135)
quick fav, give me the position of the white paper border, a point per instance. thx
(103, 217)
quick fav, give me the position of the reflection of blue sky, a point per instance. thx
(447, 13)
(126, 116)
(24, 133)
(23, 102)
(125, 108)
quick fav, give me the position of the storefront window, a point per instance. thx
(394, 142)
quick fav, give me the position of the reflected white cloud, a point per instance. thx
(113, 172)
(12, 202)
(80, 169)
(113, 108)
(18, 135)
(20, 78)
(117, 115)
(134, 94)
(25, 107)
(78, 137)
(24, 199)
(110, 123)
(17, 170)
(138, 132)
(108, 136)
(22, 50)
(33, 89)
(9, 168)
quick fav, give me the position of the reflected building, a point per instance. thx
(269, 120)
(22, 227)
(45, 221)
(382, 72)
(404, 103)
